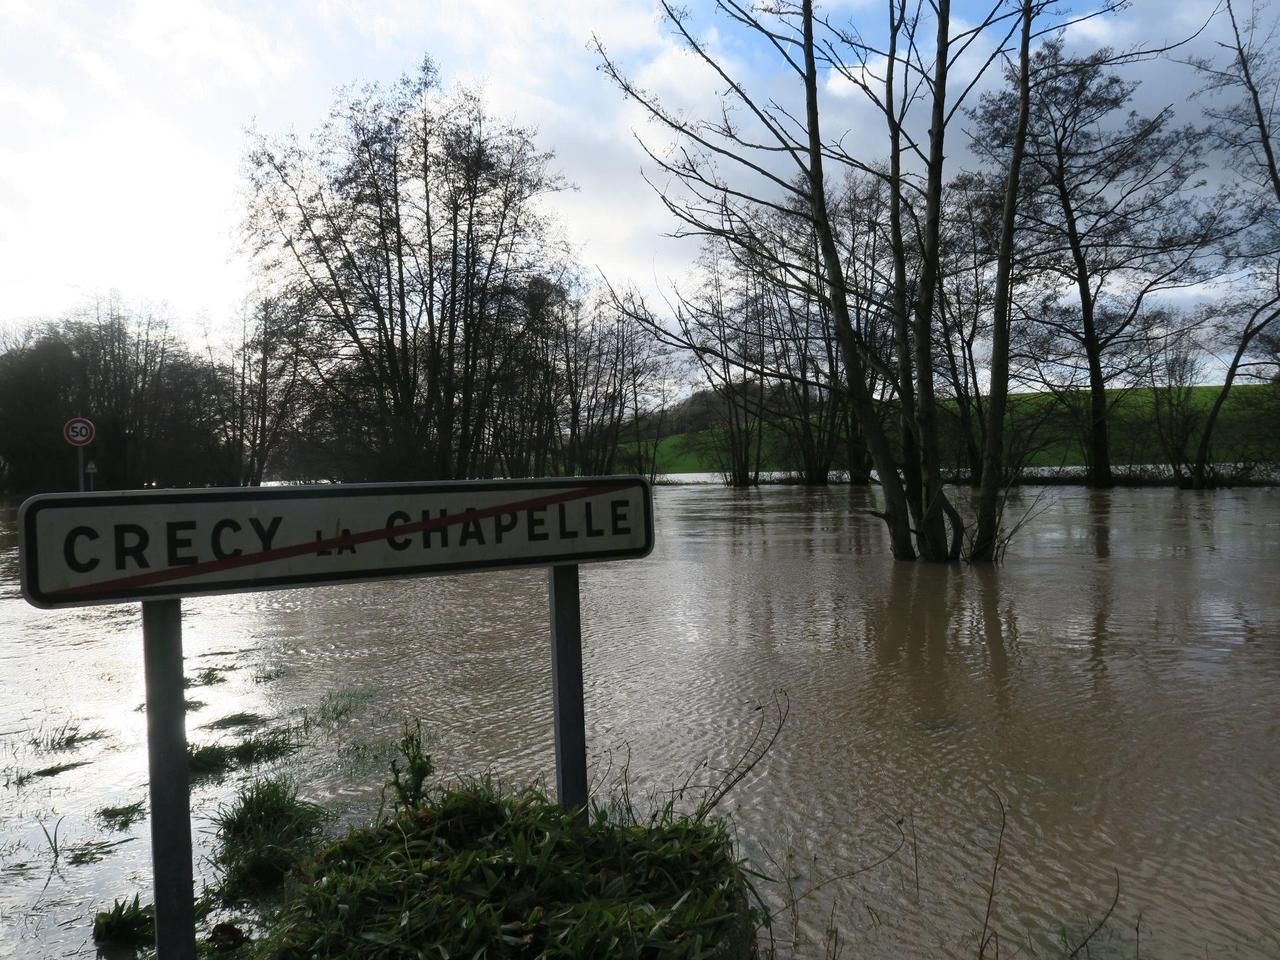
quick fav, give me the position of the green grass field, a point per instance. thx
(1248, 430)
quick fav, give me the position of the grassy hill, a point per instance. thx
(1248, 430)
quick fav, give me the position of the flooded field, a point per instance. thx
(1116, 684)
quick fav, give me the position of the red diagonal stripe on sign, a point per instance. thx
(314, 546)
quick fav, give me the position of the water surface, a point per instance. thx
(1114, 685)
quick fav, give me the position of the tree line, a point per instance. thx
(584, 393)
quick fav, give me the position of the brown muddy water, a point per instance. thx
(1116, 683)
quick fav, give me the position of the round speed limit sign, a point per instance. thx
(78, 431)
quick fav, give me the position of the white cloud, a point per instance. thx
(871, 74)
(201, 48)
(120, 165)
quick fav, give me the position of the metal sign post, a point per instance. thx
(566, 688)
(170, 786)
(159, 546)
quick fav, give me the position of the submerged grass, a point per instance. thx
(236, 721)
(209, 760)
(476, 872)
(91, 851)
(27, 776)
(191, 706)
(216, 759)
(335, 708)
(362, 757)
(206, 677)
(122, 817)
(68, 736)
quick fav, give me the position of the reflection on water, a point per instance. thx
(1115, 683)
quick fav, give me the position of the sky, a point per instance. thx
(124, 125)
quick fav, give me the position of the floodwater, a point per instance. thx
(1116, 686)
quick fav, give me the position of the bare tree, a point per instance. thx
(651, 383)
(411, 220)
(594, 381)
(256, 391)
(722, 322)
(1243, 126)
(965, 309)
(1112, 213)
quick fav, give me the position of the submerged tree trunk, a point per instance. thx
(935, 510)
(896, 514)
(987, 538)
(1099, 453)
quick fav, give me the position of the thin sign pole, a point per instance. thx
(170, 791)
(80, 466)
(566, 688)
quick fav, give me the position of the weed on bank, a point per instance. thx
(476, 872)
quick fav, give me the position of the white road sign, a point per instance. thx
(80, 549)
(78, 431)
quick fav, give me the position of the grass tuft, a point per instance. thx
(263, 748)
(126, 924)
(262, 834)
(408, 781)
